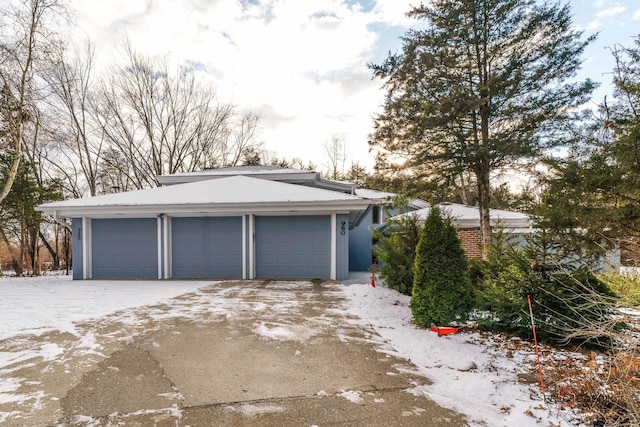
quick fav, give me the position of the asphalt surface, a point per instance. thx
(234, 354)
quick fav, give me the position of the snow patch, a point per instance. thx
(351, 395)
(7, 385)
(27, 308)
(284, 332)
(470, 374)
(250, 410)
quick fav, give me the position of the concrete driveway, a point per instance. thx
(240, 353)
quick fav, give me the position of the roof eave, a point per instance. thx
(124, 211)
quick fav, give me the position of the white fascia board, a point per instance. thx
(147, 211)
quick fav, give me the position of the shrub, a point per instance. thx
(627, 288)
(395, 251)
(442, 290)
(561, 289)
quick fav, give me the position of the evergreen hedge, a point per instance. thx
(396, 252)
(442, 291)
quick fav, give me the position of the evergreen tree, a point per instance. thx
(596, 190)
(19, 221)
(567, 297)
(485, 84)
(396, 252)
(442, 290)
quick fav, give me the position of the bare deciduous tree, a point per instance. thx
(163, 119)
(336, 150)
(70, 81)
(25, 39)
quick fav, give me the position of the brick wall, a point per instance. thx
(471, 242)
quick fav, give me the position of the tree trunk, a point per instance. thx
(17, 266)
(54, 254)
(484, 199)
(13, 172)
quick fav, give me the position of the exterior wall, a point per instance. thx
(360, 245)
(342, 247)
(124, 248)
(76, 245)
(214, 247)
(471, 242)
(360, 239)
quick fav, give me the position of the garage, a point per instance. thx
(293, 247)
(216, 224)
(124, 248)
(207, 247)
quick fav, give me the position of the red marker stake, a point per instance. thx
(535, 340)
(373, 276)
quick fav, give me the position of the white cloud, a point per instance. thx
(301, 63)
(611, 11)
(593, 25)
(393, 12)
(636, 15)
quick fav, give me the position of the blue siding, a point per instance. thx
(293, 247)
(124, 248)
(342, 247)
(208, 247)
(76, 246)
(360, 247)
(360, 238)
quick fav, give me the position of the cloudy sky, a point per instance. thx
(302, 64)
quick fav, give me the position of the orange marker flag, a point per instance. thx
(373, 276)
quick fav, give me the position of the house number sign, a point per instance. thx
(343, 228)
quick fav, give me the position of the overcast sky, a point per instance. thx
(302, 64)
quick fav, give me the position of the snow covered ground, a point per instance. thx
(470, 373)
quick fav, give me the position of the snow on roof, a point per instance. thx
(271, 172)
(233, 191)
(367, 193)
(464, 216)
(374, 194)
(245, 170)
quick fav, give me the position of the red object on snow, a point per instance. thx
(444, 330)
(373, 276)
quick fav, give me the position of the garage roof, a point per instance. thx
(226, 195)
(274, 173)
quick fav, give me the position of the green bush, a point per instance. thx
(627, 288)
(395, 252)
(442, 290)
(566, 296)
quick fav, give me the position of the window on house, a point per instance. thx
(376, 215)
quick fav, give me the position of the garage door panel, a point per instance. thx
(207, 247)
(124, 248)
(293, 247)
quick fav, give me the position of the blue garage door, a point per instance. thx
(124, 248)
(207, 247)
(294, 247)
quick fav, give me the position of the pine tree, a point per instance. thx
(442, 291)
(596, 189)
(486, 84)
(396, 252)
